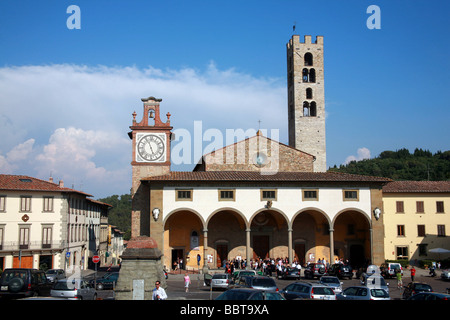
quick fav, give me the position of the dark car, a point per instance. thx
(289, 273)
(430, 296)
(108, 281)
(23, 282)
(308, 290)
(341, 271)
(249, 294)
(315, 270)
(414, 288)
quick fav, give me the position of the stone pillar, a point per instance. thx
(141, 267)
(205, 251)
(331, 246)
(247, 246)
(290, 246)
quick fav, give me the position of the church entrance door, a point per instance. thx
(222, 254)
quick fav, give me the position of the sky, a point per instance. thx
(71, 77)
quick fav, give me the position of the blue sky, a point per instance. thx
(67, 95)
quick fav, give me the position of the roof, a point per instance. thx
(249, 176)
(417, 186)
(26, 183)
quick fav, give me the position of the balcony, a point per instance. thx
(33, 245)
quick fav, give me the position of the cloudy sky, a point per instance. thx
(70, 80)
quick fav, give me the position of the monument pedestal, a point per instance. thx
(141, 267)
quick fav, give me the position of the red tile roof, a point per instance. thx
(417, 186)
(257, 176)
(26, 183)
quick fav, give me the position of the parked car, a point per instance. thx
(23, 282)
(363, 293)
(257, 282)
(55, 274)
(220, 281)
(307, 290)
(430, 296)
(249, 294)
(388, 270)
(374, 281)
(332, 282)
(414, 288)
(341, 271)
(289, 273)
(73, 289)
(445, 275)
(315, 270)
(108, 281)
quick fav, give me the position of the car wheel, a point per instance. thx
(94, 297)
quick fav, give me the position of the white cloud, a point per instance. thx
(78, 116)
(362, 153)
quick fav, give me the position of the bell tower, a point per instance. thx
(150, 157)
(306, 98)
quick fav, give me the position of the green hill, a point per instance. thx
(402, 165)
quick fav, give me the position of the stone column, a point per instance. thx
(247, 243)
(290, 246)
(205, 251)
(331, 246)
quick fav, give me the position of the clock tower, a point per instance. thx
(150, 157)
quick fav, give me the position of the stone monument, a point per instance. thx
(141, 267)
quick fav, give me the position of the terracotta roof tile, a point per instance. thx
(417, 186)
(26, 183)
(257, 176)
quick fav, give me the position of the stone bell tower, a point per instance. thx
(306, 98)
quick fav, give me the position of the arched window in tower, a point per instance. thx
(309, 93)
(312, 109)
(308, 59)
(305, 109)
(305, 75)
(312, 75)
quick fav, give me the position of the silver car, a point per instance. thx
(55, 274)
(363, 293)
(332, 282)
(73, 289)
(220, 281)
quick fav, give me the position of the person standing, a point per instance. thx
(187, 282)
(159, 293)
(413, 273)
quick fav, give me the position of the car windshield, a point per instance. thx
(273, 296)
(323, 290)
(329, 280)
(65, 285)
(234, 295)
(220, 276)
(11, 274)
(263, 282)
(423, 287)
(51, 272)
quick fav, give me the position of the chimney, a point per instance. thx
(50, 179)
(61, 184)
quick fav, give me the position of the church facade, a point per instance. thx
(257, 198)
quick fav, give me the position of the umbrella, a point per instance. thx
(439, 251)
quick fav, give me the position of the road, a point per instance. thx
(198, 291)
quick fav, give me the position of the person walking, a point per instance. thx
(187, 282)
(399, 279)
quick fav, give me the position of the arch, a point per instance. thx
(166, 217)
(235, 211)
(312, 75)
(308, 59)
(305, 75)
(309, 93)
(269, 210)
(365, 214)
(313, 109)
(305, 109)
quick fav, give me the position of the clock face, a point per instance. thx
(150, 148)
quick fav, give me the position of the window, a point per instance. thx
(402, 252)
(308, 59)
(400, 230)
(226, 195)
(48, 204)
(423, 249)
(184, 195)
(440, 206)
(2, 203)
(419, 207)
(310, 195)
(351, 195)
(309, 93)
(421, 230)
(268, 195)
(24, 237)
(25, 203)
(441, 230)
(399, 206)
(46, 237)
